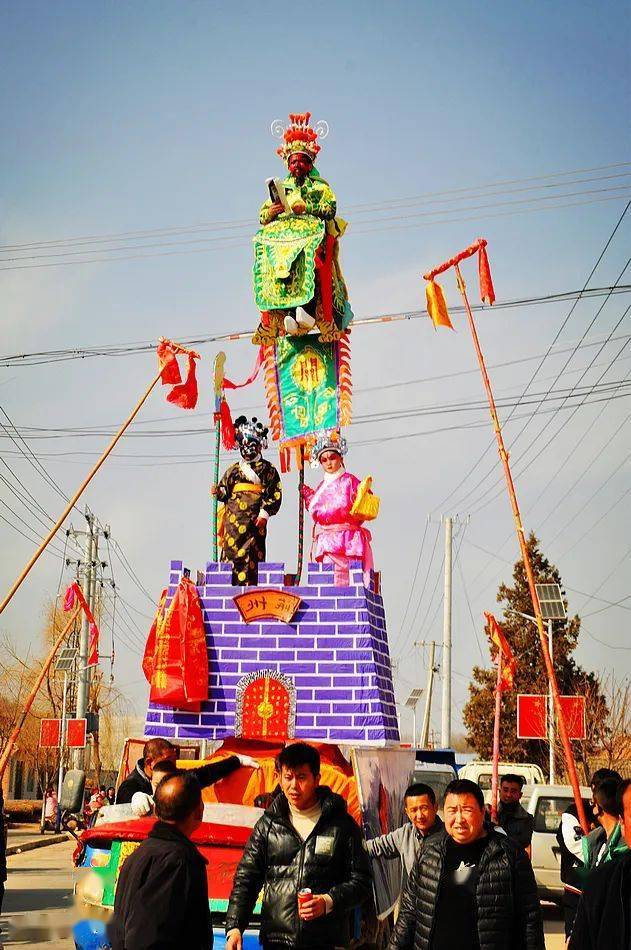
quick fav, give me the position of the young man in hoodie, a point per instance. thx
(305, 840)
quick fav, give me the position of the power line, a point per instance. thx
(360, 208)
(235, 241)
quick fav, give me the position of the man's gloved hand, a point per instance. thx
(248, 761)
(141, 804)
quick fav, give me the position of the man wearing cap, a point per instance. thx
(250, 491)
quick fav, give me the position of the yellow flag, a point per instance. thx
(436, 305)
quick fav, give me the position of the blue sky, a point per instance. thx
(150, 115)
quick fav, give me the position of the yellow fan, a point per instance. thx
(366, 505)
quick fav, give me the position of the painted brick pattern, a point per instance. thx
(335, 651)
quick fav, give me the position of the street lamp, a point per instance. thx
(552, 608)
(412, 702)
(65, 662)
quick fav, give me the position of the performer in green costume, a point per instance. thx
(250, 491)
(296, 258)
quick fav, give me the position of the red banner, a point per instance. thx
(50, 733)
(176, 660)
(76, 733)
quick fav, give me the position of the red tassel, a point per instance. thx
(185, 395)
(167, 364)
(487, 292)
(228, 439)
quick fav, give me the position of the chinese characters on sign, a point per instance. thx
(270, 604)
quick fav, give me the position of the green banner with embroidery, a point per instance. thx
(307, 380)
(284, 261)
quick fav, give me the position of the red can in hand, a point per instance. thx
(304, 895)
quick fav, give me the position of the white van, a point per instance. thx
(482, 772)
(547, 803)
(435, 775)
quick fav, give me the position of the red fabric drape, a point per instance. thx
(176, 660)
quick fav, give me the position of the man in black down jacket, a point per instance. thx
(161, 898)
(305, 839)
(469, 889)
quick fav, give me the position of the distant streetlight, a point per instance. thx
(412, 702)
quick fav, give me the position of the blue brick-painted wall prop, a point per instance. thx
(335, 650)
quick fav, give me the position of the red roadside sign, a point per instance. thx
(532, 716)
(50, 733)
(76, 733)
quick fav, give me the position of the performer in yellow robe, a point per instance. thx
(250, 491)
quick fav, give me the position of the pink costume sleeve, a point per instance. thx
(307, 494)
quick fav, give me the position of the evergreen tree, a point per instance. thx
(530, 674)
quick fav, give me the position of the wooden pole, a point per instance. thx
(53, 531)
(13, 738)
(218, 375)
(496, 738)
(301, 516)
(565, 739)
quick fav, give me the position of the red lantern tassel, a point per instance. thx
(487, 292)
(228, 439)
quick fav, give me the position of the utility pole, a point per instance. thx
(428, 695)
(551, 710)
(445, 738)
(90, 573)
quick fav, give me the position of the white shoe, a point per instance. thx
(305, 321)
(291, 327)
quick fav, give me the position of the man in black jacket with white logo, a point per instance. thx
(161, 898)
(305, 840)
(470, 889)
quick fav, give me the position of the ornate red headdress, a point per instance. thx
(300, 137)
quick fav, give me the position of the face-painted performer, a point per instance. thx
(339, 506)
(296, 251)
(250, 491)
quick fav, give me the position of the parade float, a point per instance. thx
(245, 655)
(249, 655)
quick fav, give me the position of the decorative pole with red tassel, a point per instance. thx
(437, 311)
(218, 375)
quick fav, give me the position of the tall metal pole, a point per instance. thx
(218, 377)
(414, 726)
(530, 575)
(445, 738)
(62, 750)
(551, 709)
(428, 696)
(83, 673)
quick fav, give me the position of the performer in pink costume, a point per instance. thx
(338, 534)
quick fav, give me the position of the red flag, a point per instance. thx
(487, 291)
(185, 394)
(505, 654)
(93, 646)
(167, 363)
(73, 594)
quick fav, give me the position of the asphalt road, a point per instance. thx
(38, 902)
